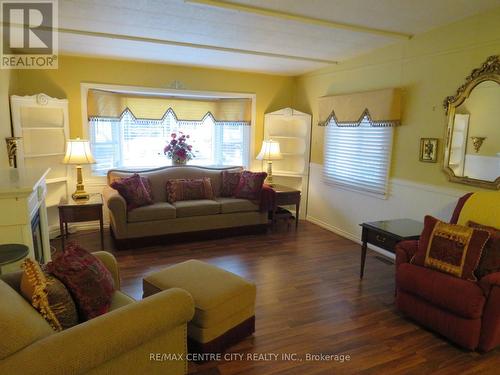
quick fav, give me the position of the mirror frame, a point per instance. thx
(489, 71)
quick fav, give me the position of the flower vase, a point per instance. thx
(178, 162)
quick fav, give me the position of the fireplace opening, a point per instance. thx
(36, 231)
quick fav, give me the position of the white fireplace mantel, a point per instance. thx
(22, 197)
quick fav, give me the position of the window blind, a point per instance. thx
(358, 157)
(128, 142)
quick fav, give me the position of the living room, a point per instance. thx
(257, 187)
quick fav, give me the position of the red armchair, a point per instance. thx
(467, 313)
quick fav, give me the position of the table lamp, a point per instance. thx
(270, 151)
(78, 153)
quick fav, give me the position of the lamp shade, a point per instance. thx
(270, 151)
(78, 152)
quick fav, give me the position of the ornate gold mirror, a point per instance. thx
(472, 153)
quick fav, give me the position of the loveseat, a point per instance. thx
(466, 312)
(152, 223)
(118, 342)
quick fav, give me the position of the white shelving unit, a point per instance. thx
(43, 124)
(292, 129)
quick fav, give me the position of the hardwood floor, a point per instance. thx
(310, 300)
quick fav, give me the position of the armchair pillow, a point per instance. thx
(48, 296)
(250, 185)
(189, 189)
(87, 278)
(133, 190)
(450, 248)
(490, 259)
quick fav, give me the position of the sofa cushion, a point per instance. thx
(159, 176)
(490, 258)
(20, 323)
(156, 211)
(87, 278)
(450, 248)
(189, 189)
(458, 296)
(230, 180)
(230, 205)
(199, 207)
(134, 192)
(48, 296)
(250, 185)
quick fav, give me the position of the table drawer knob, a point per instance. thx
(380, 238)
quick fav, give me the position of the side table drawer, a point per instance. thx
(285, 199)
(381, 240)
(76, 214)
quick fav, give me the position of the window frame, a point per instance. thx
(347, 187)
(140, 90)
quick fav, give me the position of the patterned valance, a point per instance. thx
(381, 107)
(108, 104)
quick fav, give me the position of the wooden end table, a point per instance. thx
(386, 234)
(74, 211)
(286, 196)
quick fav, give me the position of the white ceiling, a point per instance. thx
(145, 30)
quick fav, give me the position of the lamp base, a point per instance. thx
(269, 179)
(80, 194)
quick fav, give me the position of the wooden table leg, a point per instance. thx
(101, 225)
(297, 212)
(363, 258)
(61, 229)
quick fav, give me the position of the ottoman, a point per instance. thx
(224, 303)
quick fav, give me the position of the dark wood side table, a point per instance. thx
(286, 196)
(74, 211)
(386, 234)
(12, 252)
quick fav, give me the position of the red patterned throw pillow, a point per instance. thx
(133, 190)
(450, 248)
(147, 185)
(87, 279)
(490, 259)
(189, 189)
(250, 185)
(230, 182)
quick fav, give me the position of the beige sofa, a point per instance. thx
(151, 224)
(119, 342)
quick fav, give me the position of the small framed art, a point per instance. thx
(428, 150)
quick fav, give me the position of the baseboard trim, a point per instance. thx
(348, 235)
(54, 230)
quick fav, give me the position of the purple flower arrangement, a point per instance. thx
(178, 150)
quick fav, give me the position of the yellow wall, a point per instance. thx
(273, 92)
(428, 68)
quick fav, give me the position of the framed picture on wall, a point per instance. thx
(428, 150)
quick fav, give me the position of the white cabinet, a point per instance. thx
(292, 129)
(24, 214)
(42, 122)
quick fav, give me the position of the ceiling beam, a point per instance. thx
(97, 34)
(299, 18)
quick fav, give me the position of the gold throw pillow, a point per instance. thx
(48, 296)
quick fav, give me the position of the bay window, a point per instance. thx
(219, 130)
